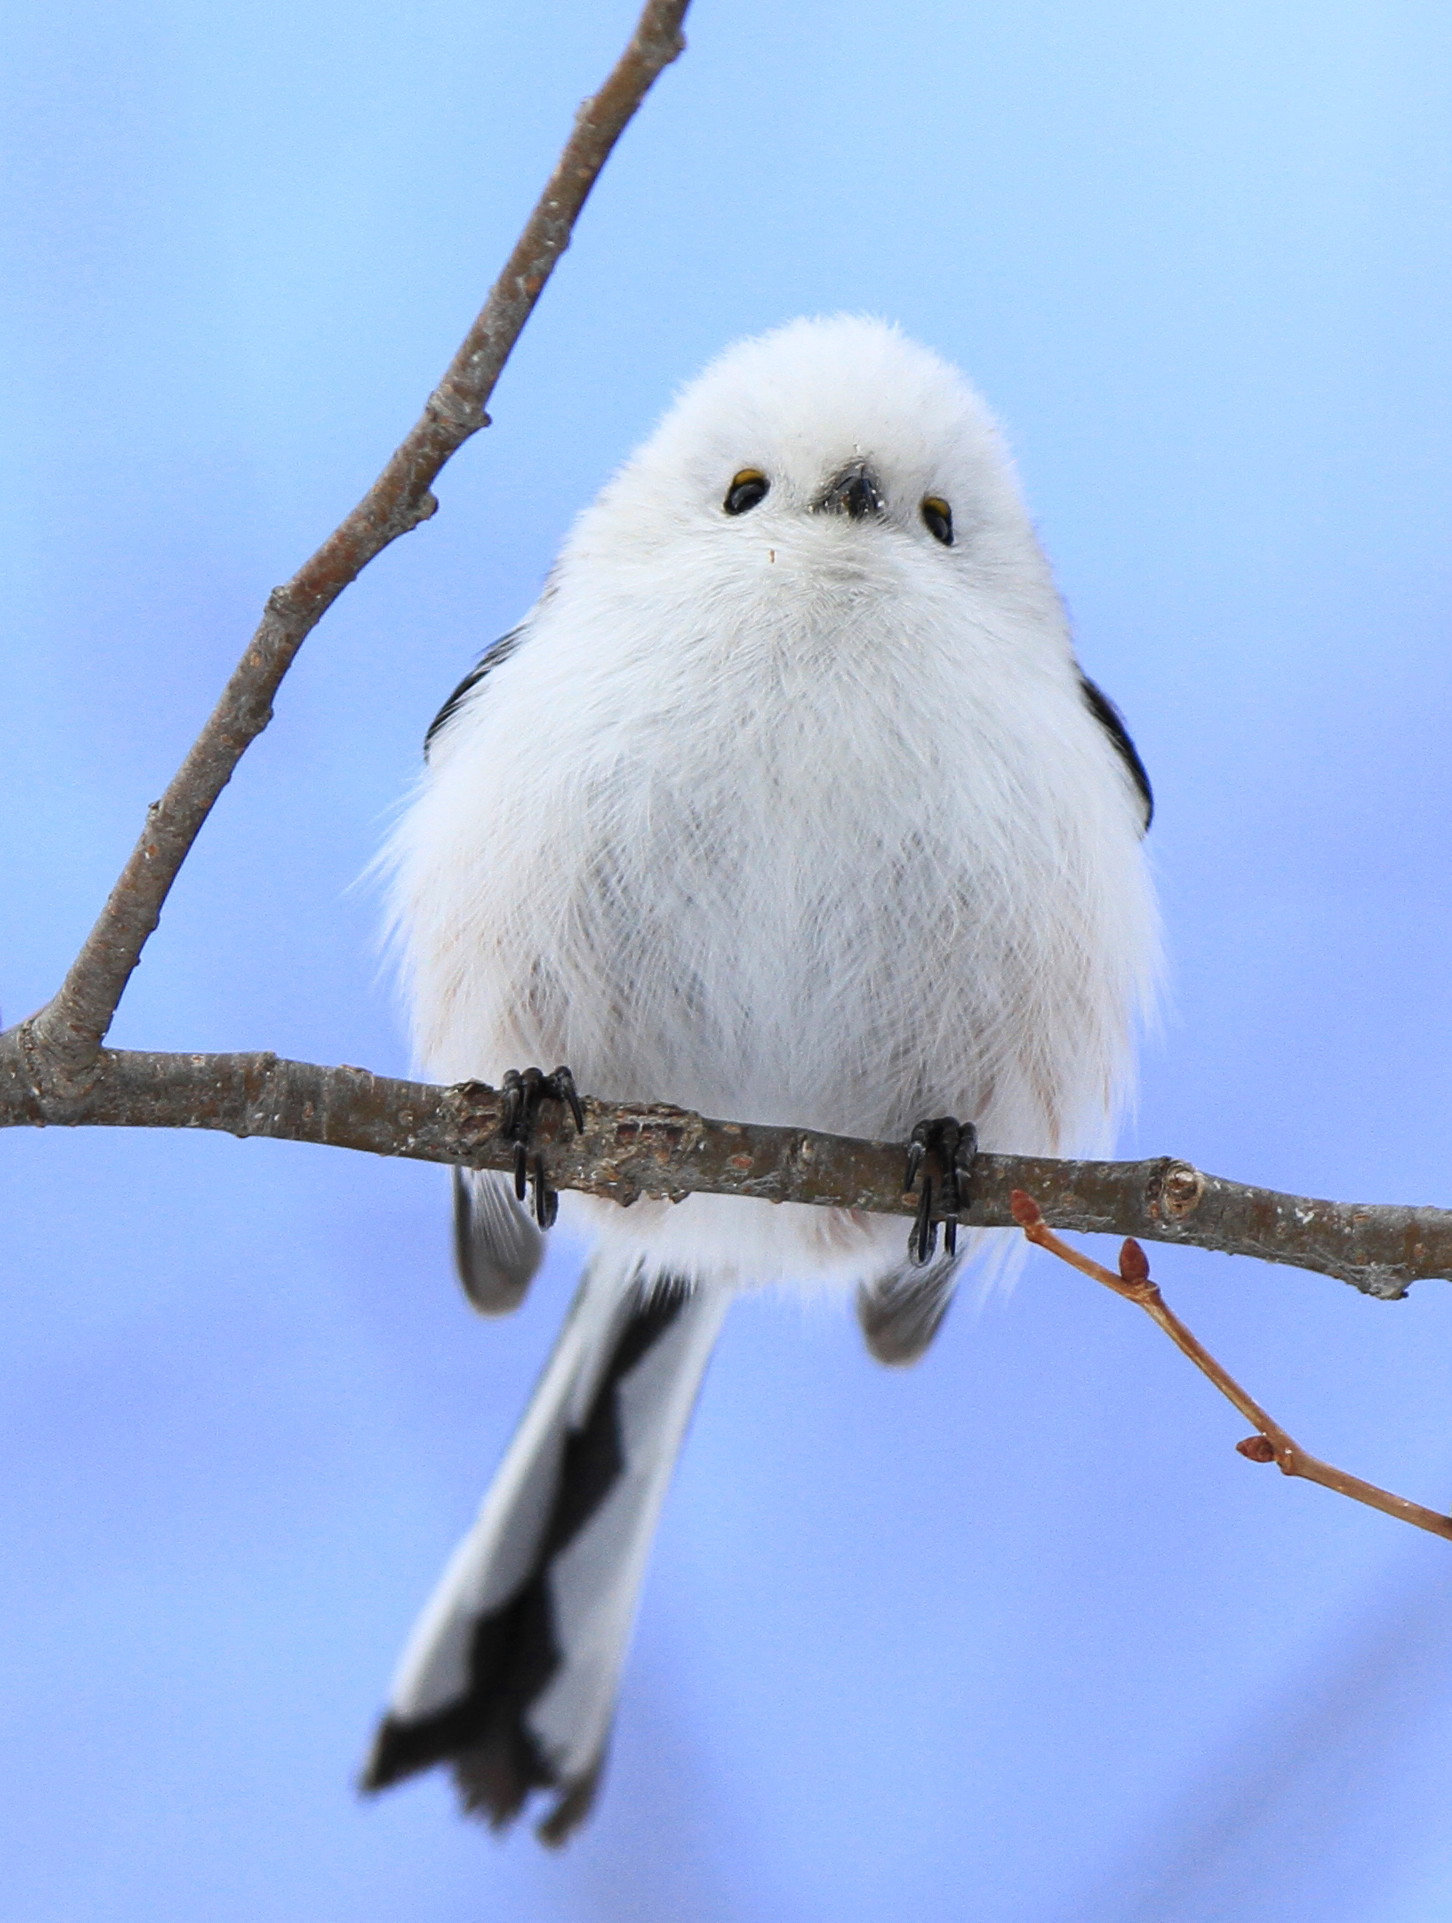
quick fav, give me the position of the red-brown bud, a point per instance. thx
(1133, 1263)
(1026, 1211)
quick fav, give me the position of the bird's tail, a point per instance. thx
(511, 1672)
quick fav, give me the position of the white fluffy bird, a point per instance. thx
(787, 802)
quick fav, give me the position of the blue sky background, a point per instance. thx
(1013, 1636)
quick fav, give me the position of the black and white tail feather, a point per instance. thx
(789, 802)
(512, 1672)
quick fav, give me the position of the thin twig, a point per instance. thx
(70, 1029)
(1270, 1443)
(634, 1149)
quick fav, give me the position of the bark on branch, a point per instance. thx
(72, 1026)
(630, 1149)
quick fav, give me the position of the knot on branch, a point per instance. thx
(478, 1108)
(661, 37)
(51, 1072)
(464, 414)
(1376, 1279)
(285, 605)
(412, 514)
(1176, 1191)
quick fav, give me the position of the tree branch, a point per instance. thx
(631, 1149)
(70, 1029)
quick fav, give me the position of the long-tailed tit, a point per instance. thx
(787, 802)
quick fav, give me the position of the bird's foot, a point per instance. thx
(940, 1157)
(523, 1091)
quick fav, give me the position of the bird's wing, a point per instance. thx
(1112, 722)
(491, 658)
(900, 1313)
(497, 1248)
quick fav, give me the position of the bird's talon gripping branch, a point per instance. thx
(524, 1091)
(940, 1154)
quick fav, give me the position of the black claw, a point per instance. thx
(523, 1093)
(566, 1092)
(918, 1144)
(947, 1150)
(924, 1238)
(543, 1195)
(513, 1090)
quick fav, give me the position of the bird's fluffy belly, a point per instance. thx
(771, 893)
(766, 946)
(736, 944)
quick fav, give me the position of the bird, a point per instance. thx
(787, 802)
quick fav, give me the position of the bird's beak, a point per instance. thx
(854, 492)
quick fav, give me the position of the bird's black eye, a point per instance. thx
(747, 488)
(938, 519)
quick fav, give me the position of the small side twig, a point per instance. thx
(1270, 1443)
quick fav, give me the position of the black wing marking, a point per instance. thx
(1112, 722)
(491, 658)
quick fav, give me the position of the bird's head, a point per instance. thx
(836, 441)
